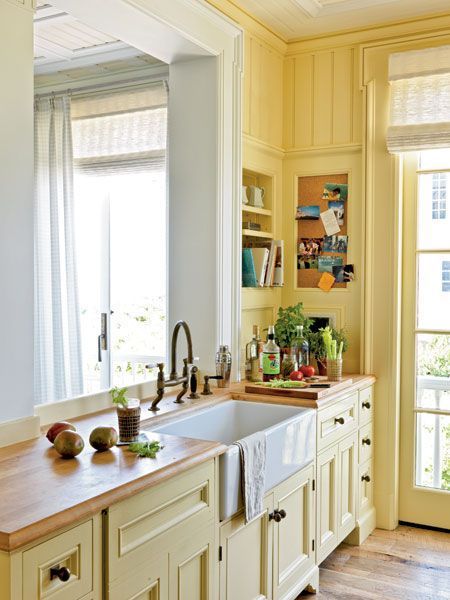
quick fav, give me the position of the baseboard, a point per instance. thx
(364, 527)
(19, 430)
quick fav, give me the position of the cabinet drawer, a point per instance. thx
(365, 442)
(365, 405)
(337, 421)
(146, 524)
(365, 489)
(70, 551)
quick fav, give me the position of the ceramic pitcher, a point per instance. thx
(256, 196)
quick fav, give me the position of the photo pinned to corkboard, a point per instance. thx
(317, 252)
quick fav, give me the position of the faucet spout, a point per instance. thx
(173, 356)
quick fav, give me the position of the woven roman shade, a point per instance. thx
(420, 99)
(121, 130)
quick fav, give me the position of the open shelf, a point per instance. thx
(257, 234)
(265, 212)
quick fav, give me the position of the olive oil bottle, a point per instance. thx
(271, 357)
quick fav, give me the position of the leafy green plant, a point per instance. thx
(118, 396)
(286, 324)
(146, 449)
(434, 358)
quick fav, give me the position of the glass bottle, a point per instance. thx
(253, 358)
(300, 347)
(271, 357)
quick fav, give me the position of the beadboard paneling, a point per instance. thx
(322, 101)
(263, 92)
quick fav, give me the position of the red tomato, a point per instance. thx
(307, 370)
(296, 376)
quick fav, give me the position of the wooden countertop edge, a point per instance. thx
(35, 531)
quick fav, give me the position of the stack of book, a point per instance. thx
(262, 264)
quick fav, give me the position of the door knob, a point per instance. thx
(366, 405)
(366, 441)
(365, 478)
(339, 420)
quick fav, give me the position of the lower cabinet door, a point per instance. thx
(348, 472)
(293, 550)
(327, 502)
(246, 565)
(149, 582)
(191, 567)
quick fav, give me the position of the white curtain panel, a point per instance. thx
(420, 99)
(58, 360)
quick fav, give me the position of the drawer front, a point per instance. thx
(148, 522)
(71, 552)
(365, 489)
(365, 442)
(337, 421)
(365, 405)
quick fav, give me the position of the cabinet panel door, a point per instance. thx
(148, 582)
(246, 566)
(327, 502)
(293, 553)
(348, 465)
(191, 567)
(365, 487)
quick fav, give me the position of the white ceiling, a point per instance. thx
(294, 19)
(62, 43)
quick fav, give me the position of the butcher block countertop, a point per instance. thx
(40, 492)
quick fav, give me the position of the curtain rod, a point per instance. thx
(100, 87)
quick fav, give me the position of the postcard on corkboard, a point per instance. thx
(316, 195)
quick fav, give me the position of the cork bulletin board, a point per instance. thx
(310, 192)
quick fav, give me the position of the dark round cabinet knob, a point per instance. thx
(365, 478)
(62, 573)
(366, 405)
(366, 441)
(339, 420)
(277, 515)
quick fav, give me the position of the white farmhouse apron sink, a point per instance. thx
(290, 441)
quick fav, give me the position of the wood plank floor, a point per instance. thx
(408, 563)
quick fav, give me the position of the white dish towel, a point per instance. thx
(252, 451)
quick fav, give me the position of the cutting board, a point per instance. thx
(307, 392)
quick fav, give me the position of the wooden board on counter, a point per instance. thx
(307, 392)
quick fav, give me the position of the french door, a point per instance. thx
(120, 230)
(425, 378)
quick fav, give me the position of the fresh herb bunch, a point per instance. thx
(317, 346)
(333, 346)
(286, 324)
(118, 396)
(146, 449)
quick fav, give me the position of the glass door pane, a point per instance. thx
(138, 274)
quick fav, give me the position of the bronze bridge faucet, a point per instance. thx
(188, 377)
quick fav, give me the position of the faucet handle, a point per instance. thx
(159, 366)
(206, 387)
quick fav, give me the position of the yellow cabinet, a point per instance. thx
(327, 502)
(348, 465)
(336, 494)
(272, 557)
(293, 546)
(246, 557)
(191, 567)
(146, 583)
